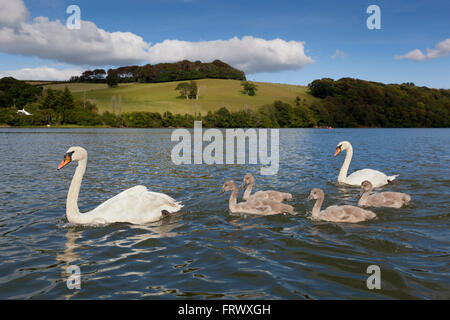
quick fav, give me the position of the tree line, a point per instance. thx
(350, 102)
(343, 103)
(162, 72)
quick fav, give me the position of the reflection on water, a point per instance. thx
(206, 252)
(135, 243)
(69, 257)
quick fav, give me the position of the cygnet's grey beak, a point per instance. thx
(310, 197)
(361, 192)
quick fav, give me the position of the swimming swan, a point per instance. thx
(377, 178)
(254, 206)
(136, 205)
(337, 213)
(249, 180)
(381, 199)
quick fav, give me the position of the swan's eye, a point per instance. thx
(69, 155)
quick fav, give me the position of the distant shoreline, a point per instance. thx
(3, 126)
(345, 103)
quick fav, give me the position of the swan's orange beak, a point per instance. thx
(337, 151)
(65, 162)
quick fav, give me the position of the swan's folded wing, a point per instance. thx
(139, 200)
(256, 206)
(357, 214)
(259, 208)
(123, 198)
(163, 201)
(344, 213)
(271, 195)
(259, 195)
(164, 196)
(263, 209)
(335, 213)
(376, 177)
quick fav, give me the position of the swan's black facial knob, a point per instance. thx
(69, 154)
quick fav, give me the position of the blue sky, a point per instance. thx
(317, 30)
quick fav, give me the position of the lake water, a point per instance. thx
(208, 253)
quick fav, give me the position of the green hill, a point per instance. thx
(161, 97)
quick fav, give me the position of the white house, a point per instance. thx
(23, 111)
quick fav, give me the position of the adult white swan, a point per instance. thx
(377, 178)
(136, 205)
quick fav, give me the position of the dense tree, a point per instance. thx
(112, 80)
(5, 99)
(223, 118)
(110, 119)
(249, 88)
(283, 113)
(351, 102)
(17, 93)
(54, 107)
(188, 90)
(65, 103)
(183, 88)
(322, 88)
(193, 89)
(142, 119)
(163, 72)
(49, 100)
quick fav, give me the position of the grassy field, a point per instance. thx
(161, 97)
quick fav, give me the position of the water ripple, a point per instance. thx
(206, 252)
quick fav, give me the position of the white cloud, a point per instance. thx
(42, 73)
(12, 12)
(339, 54)
(249, 54)
(89, 45)
(442, 49)
(93, 46)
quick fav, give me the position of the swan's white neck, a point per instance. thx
(72, 212)
(344, 169)
(248, 191)
(316, 208)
